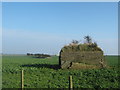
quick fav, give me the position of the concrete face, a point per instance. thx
(86, 57)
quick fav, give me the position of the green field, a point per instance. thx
(44, 73)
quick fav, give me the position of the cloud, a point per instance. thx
(20, 41)
(109, 45)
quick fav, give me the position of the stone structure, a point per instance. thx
(83, 53)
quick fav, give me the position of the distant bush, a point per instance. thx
(74, 42)
(39, 55)
(29, 54)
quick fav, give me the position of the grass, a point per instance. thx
(112, 60)
(44, 73)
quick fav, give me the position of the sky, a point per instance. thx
(45, 27)
(0, 28)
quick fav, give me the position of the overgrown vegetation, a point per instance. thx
(82, 47)
(44, 73)
(87, 46)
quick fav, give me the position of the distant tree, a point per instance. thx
(42, 55)
(75, 42)
(88, 39)
(28, 54)
(31, 54)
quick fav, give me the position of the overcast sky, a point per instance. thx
(38, 27)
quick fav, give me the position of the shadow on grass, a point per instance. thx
(39, 57)
(56, 66)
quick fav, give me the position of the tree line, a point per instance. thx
(39, 55)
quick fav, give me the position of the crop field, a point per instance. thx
(44, 73)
